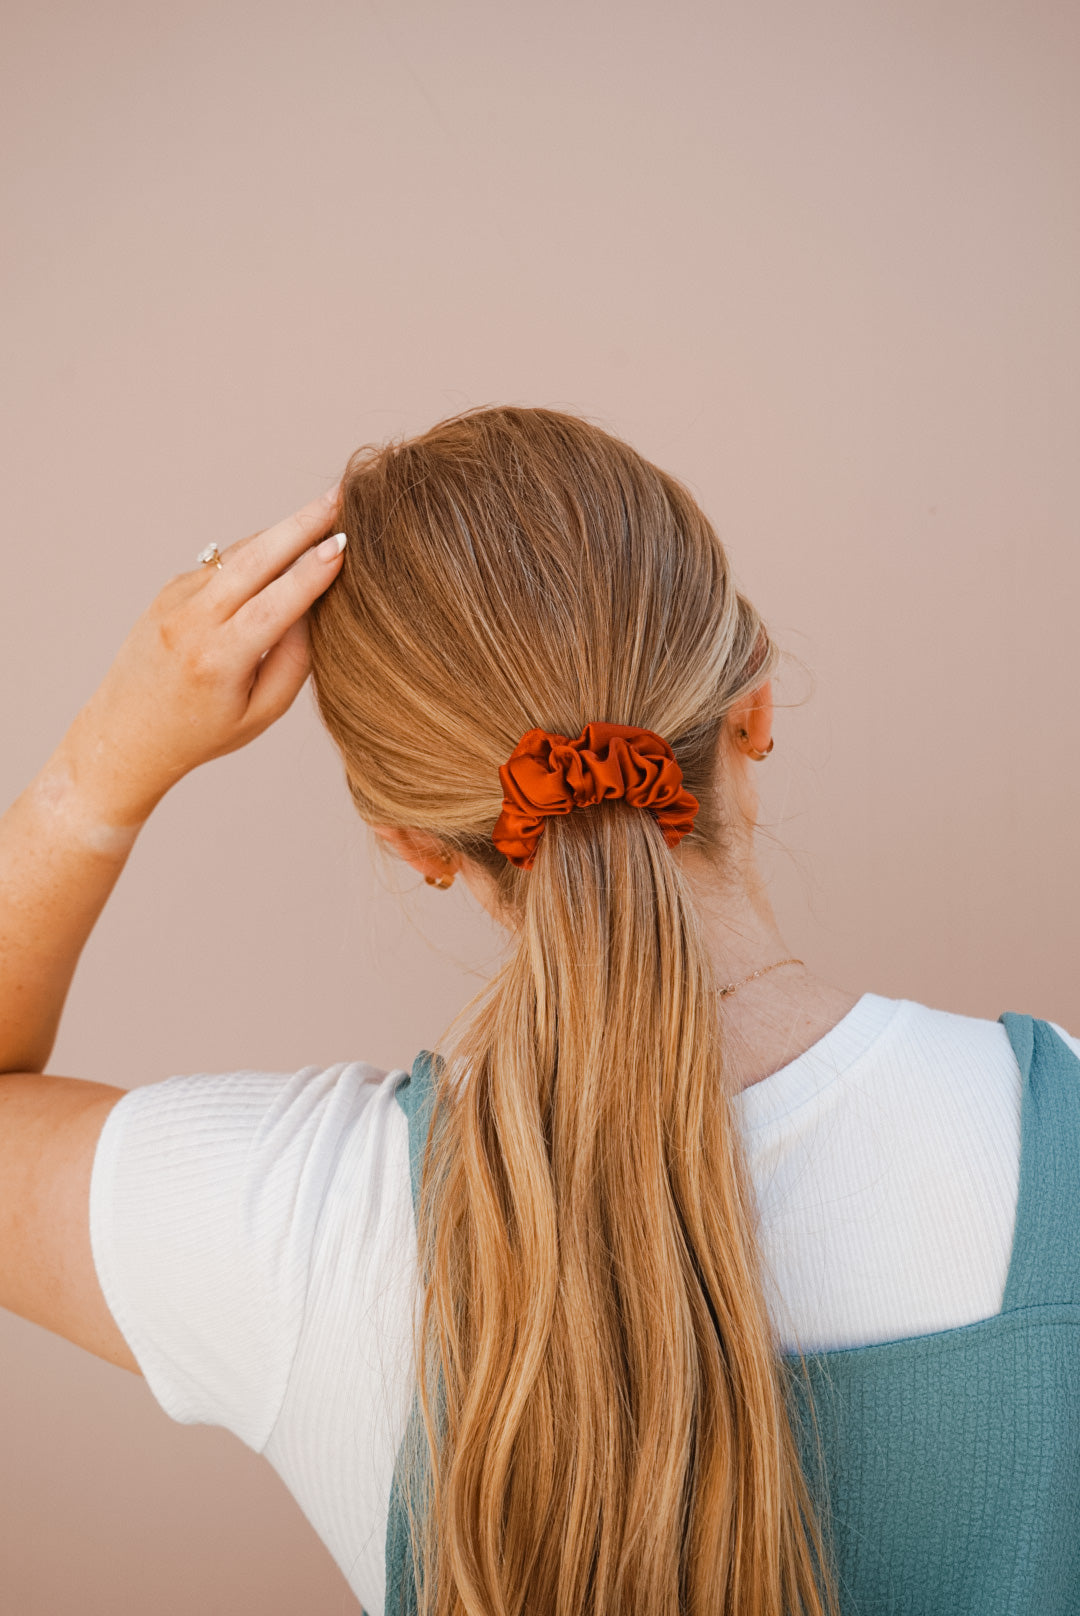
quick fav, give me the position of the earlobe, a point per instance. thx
(422, 851)
(751, 723)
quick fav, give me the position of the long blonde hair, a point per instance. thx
(603, 1406)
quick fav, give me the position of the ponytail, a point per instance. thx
(622, 1440)
(603, 1409)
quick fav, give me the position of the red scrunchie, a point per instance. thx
(550, 774)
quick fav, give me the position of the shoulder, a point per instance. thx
(952, 1031)
(958, 1075)
(263, 1123)
(210, 1196)
(1067, 1038)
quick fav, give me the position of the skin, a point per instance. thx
(767, 1022)
(216, 658)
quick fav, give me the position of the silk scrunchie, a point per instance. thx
(551, 774)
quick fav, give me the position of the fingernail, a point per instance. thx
(331, 547)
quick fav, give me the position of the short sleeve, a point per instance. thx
(205, 1200)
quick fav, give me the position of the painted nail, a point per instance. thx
(331, 547)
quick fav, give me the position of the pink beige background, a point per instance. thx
(822, 262)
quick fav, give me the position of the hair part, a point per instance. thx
(605, 1422)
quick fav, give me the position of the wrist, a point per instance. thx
(76, 816)
(93, 794)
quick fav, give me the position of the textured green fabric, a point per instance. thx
(945, 1467)
(416, 1097)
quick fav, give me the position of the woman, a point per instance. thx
(523, 1329)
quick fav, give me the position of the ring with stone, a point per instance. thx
(209, 557)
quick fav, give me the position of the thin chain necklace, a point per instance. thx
(723, 992)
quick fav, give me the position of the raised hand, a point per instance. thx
(213, 661)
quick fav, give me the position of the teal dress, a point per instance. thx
(946, 1467)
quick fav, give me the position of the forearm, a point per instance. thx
(216, 657)
(63, 843)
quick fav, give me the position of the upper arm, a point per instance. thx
(49, 1131)
(171, 1228)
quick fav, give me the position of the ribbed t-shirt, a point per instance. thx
(254, 1235)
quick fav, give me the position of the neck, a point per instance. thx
(772, 1019)
(737, 918)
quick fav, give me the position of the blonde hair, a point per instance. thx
(604, 1408)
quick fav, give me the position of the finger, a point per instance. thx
(205, 574)
(252, 563)
(262, 620)
(281, 675)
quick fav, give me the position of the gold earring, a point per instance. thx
(443, 882)
(752, 751)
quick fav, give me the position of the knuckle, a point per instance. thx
(169, 609)
(200, 662)
(168, 638)
(165, 600)
(171, 623)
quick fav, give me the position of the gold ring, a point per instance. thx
(209, 557)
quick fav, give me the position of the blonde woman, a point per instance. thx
(677, 1280)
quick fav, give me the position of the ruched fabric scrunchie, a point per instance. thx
(550, 774)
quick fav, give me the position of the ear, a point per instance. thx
(419, 848)
(754, 714)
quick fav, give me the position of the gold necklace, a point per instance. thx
(774, 967)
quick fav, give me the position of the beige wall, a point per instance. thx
(820, 261)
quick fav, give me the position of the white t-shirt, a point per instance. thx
(255, 1240)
